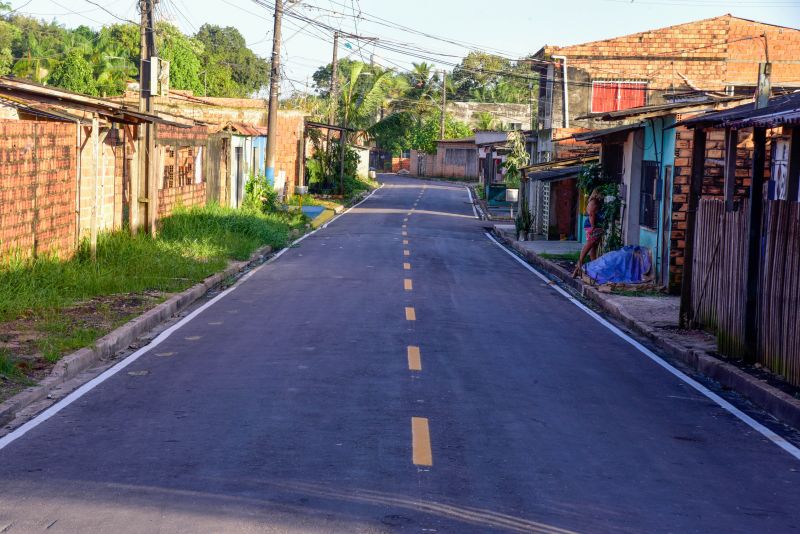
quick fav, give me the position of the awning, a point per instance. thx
(662, 109)
(555, 175)
(596, 135)
(784, 109)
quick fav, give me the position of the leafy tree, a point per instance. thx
(490, 78)
(74, 73)
(8, 34)
(395, 132)
(425, 135)
(184, 56)
(226, 47)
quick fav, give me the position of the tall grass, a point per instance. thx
(191, 244)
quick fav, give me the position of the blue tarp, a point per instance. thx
(629, 265)
(313, 211)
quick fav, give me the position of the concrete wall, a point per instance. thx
(504, 113)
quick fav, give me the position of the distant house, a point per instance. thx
(655, 67)
(454, 158)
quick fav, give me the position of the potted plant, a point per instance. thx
(524, 223)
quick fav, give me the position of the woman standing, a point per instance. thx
(592, 229)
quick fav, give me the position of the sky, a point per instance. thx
(512, 28)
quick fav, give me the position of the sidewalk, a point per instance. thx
(656, 319)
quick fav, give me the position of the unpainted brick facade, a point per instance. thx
(37, 188)
(713, 182)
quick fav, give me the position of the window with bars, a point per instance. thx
(648, 203)
(169, 168)
(179, 166)
(614, 96)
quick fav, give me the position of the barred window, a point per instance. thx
(169, 168)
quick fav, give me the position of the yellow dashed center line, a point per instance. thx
(407, 266)
(411, 315)
(408, 284)
(404, 233)
(421, 442)
(406, 253)
(414, 360)
(405, 241)
(404, 226)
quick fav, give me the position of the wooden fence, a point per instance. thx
(718, 284)
(779, 291)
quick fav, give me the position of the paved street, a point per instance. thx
(396, 372)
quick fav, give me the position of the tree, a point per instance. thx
(490, 78)
(226, 49)
(183, 54)
(74, 73)
(8, 34)
(425, 136)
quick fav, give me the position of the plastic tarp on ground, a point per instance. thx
(629, 265)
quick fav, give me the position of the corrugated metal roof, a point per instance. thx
(660, 108)
(596, 134)
(554, 175)
(247, 129)
(784, 109)
(460, 140)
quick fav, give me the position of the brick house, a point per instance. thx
(654, 67)
(67, 162)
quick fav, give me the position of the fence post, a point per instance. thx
(754, 244)
(695, 190)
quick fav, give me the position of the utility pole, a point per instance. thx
(144, 190)
(274, 86)
(444, 104)
(334, 93)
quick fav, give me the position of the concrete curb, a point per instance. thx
(73, 364)
(774, 401)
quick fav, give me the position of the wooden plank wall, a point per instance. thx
(779, 316)
(718, 284)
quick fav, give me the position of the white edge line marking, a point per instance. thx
(108, 373)
(749, 421)
(471, 202)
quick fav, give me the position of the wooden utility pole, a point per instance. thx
(274, 87)
(754, 244)
(144, 190)
(693, 202)
(444, 104)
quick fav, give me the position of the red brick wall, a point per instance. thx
(713, 184)
(289, 150)
(186, 196)
(37, 188)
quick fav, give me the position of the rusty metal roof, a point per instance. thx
(55, 100)
(784, 109)
(246, 129)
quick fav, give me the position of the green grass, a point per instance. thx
(569, 256)
(191, 245)
(8, 366)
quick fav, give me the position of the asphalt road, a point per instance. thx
(299, 402)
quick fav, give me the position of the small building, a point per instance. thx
(454, 158)
(554, 200)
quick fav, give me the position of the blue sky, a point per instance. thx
(513, 27)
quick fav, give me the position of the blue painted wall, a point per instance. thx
(260, 153)
(659, 145)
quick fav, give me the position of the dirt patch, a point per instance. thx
(31, 345)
